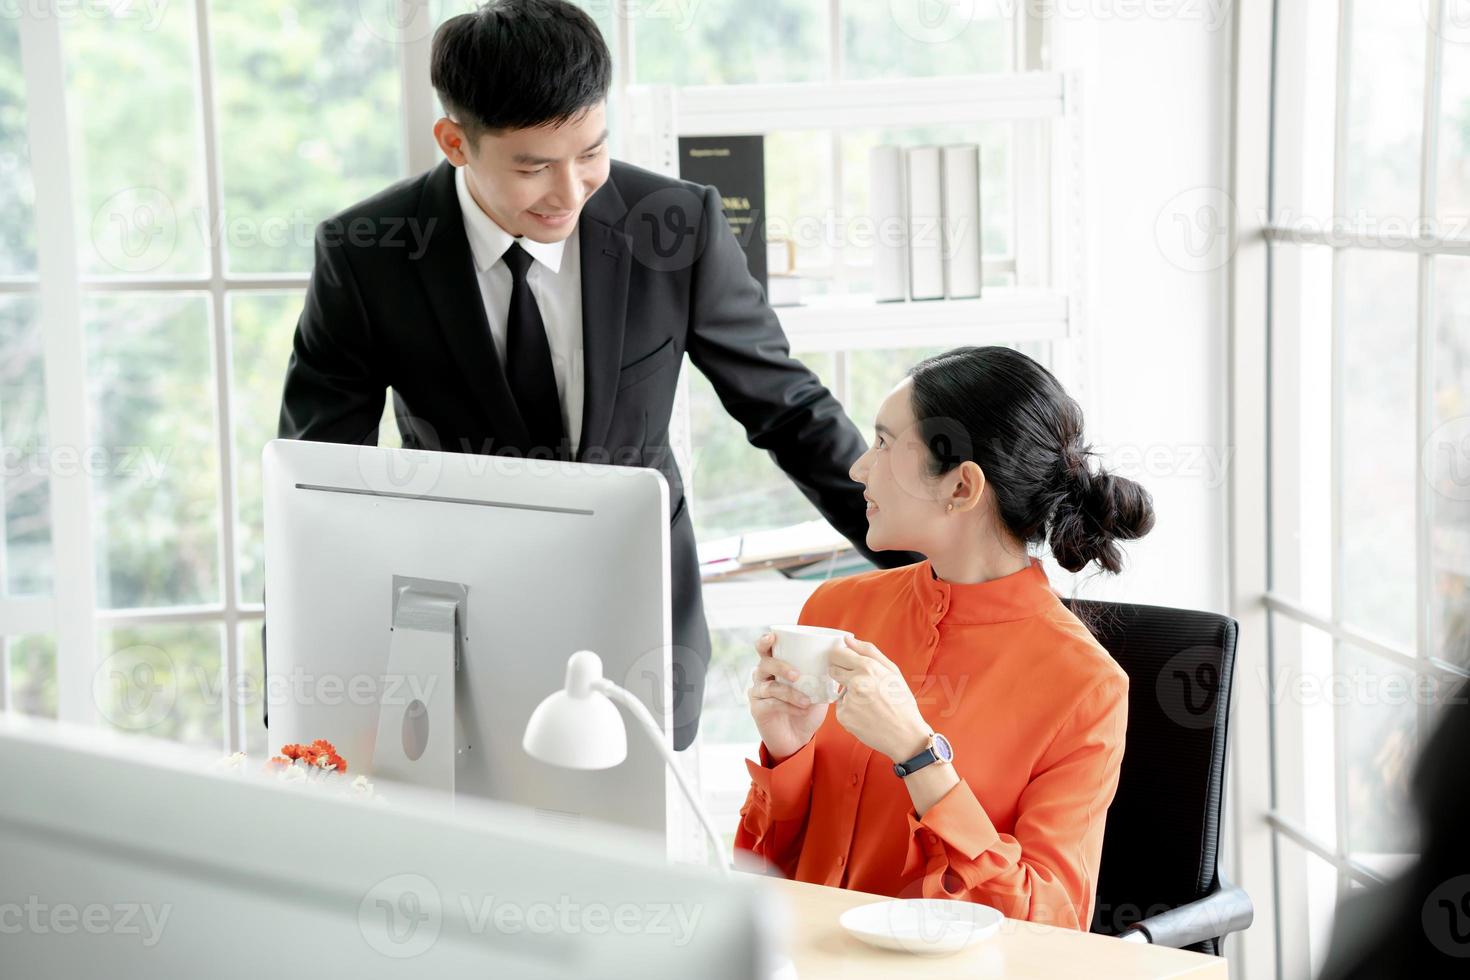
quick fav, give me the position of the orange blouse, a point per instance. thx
(1036, 712)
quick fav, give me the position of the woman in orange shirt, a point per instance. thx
(975, 746)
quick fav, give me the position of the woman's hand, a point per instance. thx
(785, 718)
(876, 705)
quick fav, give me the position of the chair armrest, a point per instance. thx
(1225, 910)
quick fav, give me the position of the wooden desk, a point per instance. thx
(821, 948)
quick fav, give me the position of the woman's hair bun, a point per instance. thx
(1096, 510)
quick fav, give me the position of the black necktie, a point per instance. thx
(528, 362)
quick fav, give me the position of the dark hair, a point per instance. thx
(517, 64)
(1002, 410)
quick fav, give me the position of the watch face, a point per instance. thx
(942, 749)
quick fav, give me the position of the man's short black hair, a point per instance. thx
(517, 64)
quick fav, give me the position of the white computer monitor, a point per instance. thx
(523, 562)
(129, 857)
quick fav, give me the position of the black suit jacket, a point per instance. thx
(394, 303)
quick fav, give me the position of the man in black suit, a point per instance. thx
(529, 296)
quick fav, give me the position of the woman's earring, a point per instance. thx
(948, 508)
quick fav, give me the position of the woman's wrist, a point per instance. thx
(930, 785)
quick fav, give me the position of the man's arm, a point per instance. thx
(737, 341)
(334, 388)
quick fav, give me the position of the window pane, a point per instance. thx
(727, 733)
(871, 375)
(309, 112)
(261, 328)
(724, 42)
(799, 195)
(163, 681)
(251, 694)
(1384, 111)
(1447, 463)
(154, 456)
(32, 674)
(17, 193)
(25, 475)
(1454, 126)
(262, 325)
(1301, 425)
(919, 37)
(1308, 905)
(1306, 104)
(996, 214)
(1379, 465)
(1379, 726)
(738, 488)
(140, 200)
(1304, 699)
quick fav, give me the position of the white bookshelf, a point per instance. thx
(1046, 189)
(1001, 316)
(725, 110)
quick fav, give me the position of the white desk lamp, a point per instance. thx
(579, 727)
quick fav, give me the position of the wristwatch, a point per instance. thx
(939, 750)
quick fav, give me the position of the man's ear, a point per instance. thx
(967, 486)
(451, 138)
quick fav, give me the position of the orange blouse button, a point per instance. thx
(854, 779)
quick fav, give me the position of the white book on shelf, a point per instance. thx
(926, 220)
(888, 198)
(961, 209)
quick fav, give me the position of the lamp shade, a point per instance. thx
(578, 727)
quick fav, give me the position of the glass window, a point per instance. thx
(1447, 463)
(1380, 465)
(727, 42)
(1454, 123)
(25, 456)
(261, 328)
(871, 375)
(163, 681)
(1380, 711)
(140, 188)
(1301, 461)
(736, 487)
(308, 105)
(1383, 114)
(17, 193)
(154, 458)
(32, 662)
(908, 38)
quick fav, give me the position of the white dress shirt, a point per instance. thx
(555, 278)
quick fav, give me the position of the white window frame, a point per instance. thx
(1265, 725)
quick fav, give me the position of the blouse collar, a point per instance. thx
(1006, 599)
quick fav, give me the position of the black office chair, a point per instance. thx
(1160, 881)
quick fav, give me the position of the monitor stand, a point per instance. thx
(419, 741)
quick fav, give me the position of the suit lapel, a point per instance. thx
(448, 273)
(607, 259)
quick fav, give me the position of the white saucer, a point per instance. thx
(928, 926)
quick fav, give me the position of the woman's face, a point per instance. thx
(905, 512)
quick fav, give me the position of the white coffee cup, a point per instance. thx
(809, 649)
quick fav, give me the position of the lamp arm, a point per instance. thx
(640, 711)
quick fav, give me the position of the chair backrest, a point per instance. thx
(1162, 844)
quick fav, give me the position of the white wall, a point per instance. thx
(1155, 97)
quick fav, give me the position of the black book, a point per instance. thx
(736, 166)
